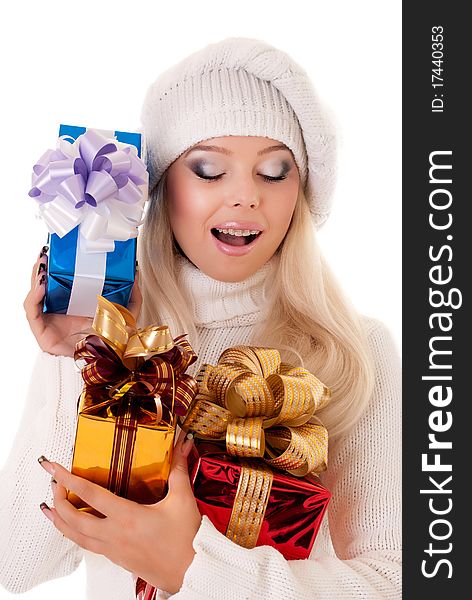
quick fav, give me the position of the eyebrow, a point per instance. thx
(228, 152)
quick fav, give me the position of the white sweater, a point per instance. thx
(357, 553)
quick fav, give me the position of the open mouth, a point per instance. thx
(237, 237)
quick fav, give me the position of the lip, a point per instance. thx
(239, 225)
(235, 250)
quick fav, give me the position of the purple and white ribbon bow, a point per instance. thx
(93, 182)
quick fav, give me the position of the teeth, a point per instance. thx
(239, 232)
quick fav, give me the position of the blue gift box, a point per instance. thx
(120, 263)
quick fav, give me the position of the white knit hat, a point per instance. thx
(241, 87)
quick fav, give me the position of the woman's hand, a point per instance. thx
(152, 541)
(58, 334)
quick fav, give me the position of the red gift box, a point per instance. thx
(292, 518)
(294, 511)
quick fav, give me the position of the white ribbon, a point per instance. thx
(89, 277)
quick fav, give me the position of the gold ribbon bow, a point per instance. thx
(118, 327)
(119, 356)
(262, 408)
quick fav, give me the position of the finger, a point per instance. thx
(38, 284)
(136, 299)
(179, 479)
(88, 543)
(40, 266)
(181, 438)
(42, 259)
(81, 521)
(104, 501)
(34, 272)
(33, 305)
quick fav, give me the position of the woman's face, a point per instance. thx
(230, 202)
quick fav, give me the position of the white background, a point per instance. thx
(90, 63)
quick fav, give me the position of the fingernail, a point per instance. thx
(187, 445)
(43, 279)
(53, 480)
(44, 249)
(42, 267)
(44, 462)
(46, 511)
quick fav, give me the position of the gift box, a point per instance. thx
(290, 521)
(91, 192)
(135, 388)
(294, 506)
(259, 485)
(125, 453)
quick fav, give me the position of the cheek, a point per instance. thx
(286, 200)
(190, 210)
(184, 204)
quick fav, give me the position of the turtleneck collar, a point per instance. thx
(225, 304)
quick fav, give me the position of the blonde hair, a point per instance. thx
(311, 321)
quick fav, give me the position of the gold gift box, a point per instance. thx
(135, 385)
(145, 463)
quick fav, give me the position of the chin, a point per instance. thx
(229, 273)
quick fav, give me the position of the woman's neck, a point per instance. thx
(224, 304)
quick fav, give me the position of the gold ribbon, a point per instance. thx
(119, 357)
(117, 326)
(250, 503)
(262, 408)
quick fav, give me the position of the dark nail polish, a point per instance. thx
(43, 278)
(43, 506)
(42, 267)
(44, 249)
(42, 458)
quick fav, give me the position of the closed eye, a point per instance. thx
(267, 178)
(210, 177)
(273, 179)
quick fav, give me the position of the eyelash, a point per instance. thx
(265, 177)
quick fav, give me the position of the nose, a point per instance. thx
(245, 194)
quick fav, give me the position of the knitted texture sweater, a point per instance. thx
(357, 553)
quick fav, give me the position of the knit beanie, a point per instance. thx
(241, 87)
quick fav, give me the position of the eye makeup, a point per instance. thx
(278, 170)
(205, 169)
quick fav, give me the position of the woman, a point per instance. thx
(241, 159)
